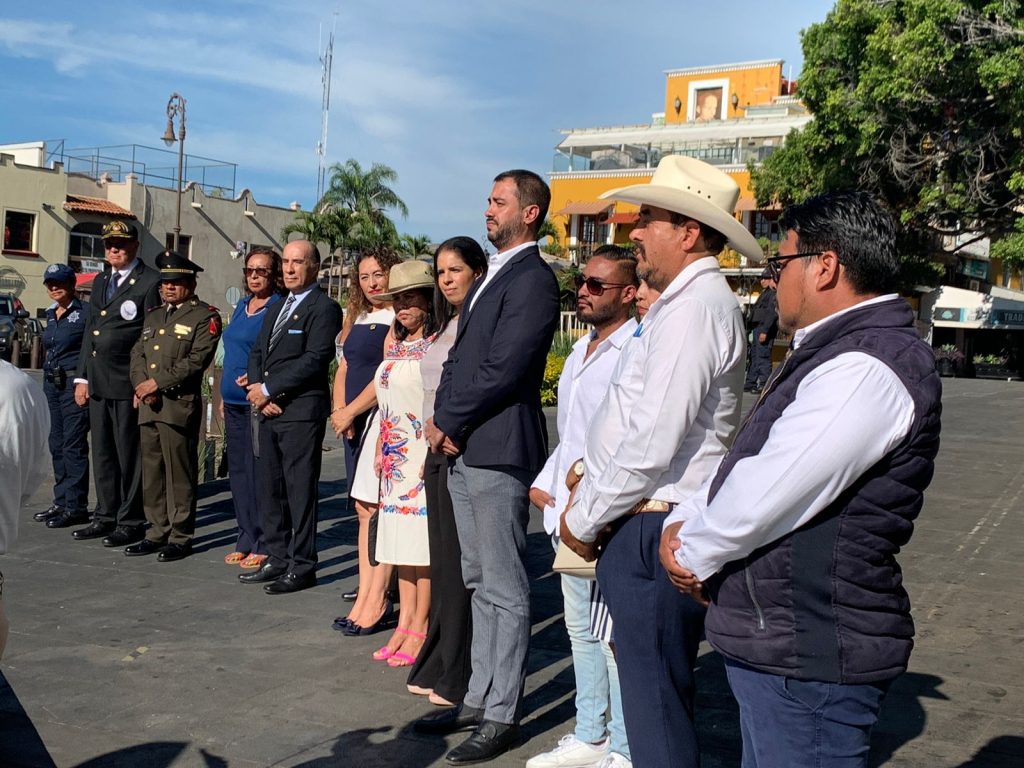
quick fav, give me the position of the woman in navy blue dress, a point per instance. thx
(69, 422)
(263, 285)
(365, 335)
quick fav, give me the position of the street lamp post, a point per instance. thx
(176, 106)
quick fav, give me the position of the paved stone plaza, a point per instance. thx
(130, 662)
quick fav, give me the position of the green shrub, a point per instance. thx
(552, 370)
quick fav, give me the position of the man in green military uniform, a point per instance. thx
(168, 362)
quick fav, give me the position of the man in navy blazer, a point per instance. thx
(488, 416)
(288, 391)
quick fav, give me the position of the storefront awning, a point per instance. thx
(623, 218)
(585, 208)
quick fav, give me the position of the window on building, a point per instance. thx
(82, 245)
(184, 244)
(19, 231)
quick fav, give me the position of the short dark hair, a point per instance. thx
(276, 276)
(857, 228)
(473, 256)
(623, 257)
(714, 241)
(531, 189)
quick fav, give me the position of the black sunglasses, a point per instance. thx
(774, 264)
(595, 287)
(258, 271)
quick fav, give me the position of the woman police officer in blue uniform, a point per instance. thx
(69, 422)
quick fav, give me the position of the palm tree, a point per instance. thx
(416, 245)
(554, 245)
(362, 191)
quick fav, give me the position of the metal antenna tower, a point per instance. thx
(326, 59)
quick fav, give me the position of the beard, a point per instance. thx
(596, 315)
(504, 236)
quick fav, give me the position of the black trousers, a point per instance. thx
(116, 461)
(444, 661)
(69, 448)
(288, 468)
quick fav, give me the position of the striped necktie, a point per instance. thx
(279, 323)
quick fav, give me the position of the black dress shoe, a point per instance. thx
(268, 572)
(66, 519)
(144, 547)
(49, 514)
(93, 531)
(458, 718)
(488, 741)
(341, 622)
(350, 597)
(123, 535)
(173, 552)
(351, 629)
(290, 583)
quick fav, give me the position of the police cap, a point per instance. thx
(119, 230)
(59, 273)
(174, 266)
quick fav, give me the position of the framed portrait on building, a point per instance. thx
(708, 104)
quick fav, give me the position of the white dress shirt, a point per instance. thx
(494, 266)
(848, 413)
(581, 388)
(673, 403)
(24, 430)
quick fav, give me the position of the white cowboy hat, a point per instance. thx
(407, 276)
(693, 188)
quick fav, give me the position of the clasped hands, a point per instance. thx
(146, 392)
(440, 442)
(260, 402)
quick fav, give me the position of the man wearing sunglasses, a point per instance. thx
(606, 292)
(797, 547)
(668, 416)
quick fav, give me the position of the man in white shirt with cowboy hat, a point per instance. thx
(669, 416)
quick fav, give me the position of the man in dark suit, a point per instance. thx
(169, 360)
(288, 391)
(121, 296)
(488, 413)
(765, 321)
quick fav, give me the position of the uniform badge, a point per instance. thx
(214, 327)
(182, 330)
(129, 310)
(74, 316)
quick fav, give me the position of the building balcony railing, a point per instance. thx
(638, 158)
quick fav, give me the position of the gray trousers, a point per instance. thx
(492, 509)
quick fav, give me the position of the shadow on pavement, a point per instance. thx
(155, 754)
(1000, 752)
(359, 748)
(20, 744)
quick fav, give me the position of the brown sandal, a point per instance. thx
(253, 561)
(234, 558)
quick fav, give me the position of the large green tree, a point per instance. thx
(918, 101)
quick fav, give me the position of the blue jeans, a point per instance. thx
(789, 723)
(597, 674)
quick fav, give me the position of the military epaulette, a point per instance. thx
(212, 308)
(154, 309)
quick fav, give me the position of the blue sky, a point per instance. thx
(448, 93)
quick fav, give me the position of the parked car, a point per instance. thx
(18, 338)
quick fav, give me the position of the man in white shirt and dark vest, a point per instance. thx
(795, 536)
(669, 415)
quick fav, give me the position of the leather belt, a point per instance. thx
(651, 505)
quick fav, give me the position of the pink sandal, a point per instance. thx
(384, 652)
(400, 659)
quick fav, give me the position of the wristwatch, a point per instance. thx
(578, 468)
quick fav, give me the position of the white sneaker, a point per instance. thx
(571, 753)
(615, 760)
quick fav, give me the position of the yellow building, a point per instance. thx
(728, 115)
